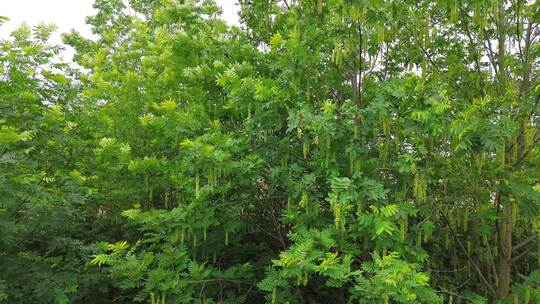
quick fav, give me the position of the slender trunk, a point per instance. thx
(354, 84)
(501, 29)
(361, 68)
(505, 258)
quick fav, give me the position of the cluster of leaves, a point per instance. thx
(325, 151)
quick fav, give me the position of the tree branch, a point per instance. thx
(525, 242)
(476, 268)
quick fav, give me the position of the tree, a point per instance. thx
(46, 232)
(325, 151)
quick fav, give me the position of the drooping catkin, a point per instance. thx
(305, 148)
(420, 187)
(304, 200)
(197, 185)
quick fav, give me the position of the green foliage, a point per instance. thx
(392, 280)
(325, 151)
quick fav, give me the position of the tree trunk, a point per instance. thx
(505, 261)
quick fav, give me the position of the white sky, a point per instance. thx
(69, 14)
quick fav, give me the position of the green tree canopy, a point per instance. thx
(371, 151)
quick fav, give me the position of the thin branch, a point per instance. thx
(475, 55)
(525, 153)
(521, 255)
(525, 242)
(482, 277)
(491, 54)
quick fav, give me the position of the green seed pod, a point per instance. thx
(197, 185)
(182, 235)
(420, 187)
(454, 12)
(476, 18)
(502, 154)
(304, 200)
(357, 165)
(351, 162)
(319, 6)
(336, 207)
(380, 32)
